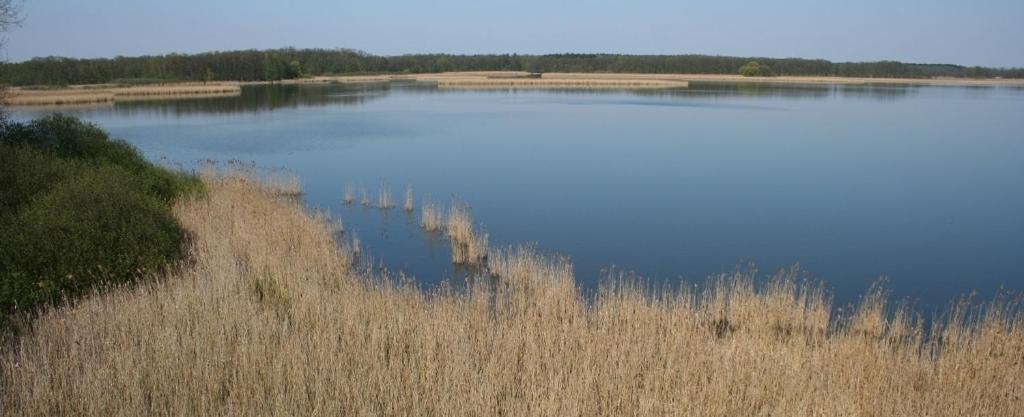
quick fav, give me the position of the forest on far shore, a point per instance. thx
(278, 64)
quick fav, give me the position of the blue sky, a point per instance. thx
(981, 32)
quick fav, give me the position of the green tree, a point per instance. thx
(755, 69)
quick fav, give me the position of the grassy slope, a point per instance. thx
(270, 319)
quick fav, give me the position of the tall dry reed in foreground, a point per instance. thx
(269, 319)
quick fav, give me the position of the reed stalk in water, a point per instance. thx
(407, 206)
(384, 200)
(430, 217)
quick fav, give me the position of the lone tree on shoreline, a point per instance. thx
(755, 69)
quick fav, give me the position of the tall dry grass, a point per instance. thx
(349, 195)
(469, 246)
(364, 197)
(430, 217)
(384, 199)
(269, 318)
(408, 204)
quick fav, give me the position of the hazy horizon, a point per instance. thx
(949, 32)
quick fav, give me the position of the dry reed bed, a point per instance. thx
(480, 82)
(269, 318)
(430, 217)
(101, 94)
(469, 245)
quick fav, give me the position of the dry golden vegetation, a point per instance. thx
(588, 83)
(364, 197)
(269, 318)
(469, 246)
(349, 194)
(384, 200)
(407, 205)
(107, 94)
(430, 217)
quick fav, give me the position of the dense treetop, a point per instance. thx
(269, 65)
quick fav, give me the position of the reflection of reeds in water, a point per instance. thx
(356, 247)
(271, 318)
(430, 217)
(384, 200)
(349, 194)
(408, 199)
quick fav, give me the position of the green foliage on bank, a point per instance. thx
(79, 210)
(755, 69)
(277, 64)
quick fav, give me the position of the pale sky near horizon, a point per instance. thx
(980, 32)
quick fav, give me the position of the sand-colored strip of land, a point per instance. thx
(100, 94)
(587, 83)
(503, 79)
(789, 79)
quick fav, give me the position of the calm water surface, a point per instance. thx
(922, 185)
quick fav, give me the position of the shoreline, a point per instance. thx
(98, 94)
(272, 314)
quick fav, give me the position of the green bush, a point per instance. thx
(98, 226)
(755, 69)
(25, 172)
(70, 138)
(79, 210)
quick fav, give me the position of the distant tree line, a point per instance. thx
(277, 64)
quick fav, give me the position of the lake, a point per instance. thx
(922, 185)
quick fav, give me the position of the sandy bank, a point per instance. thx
(99, 94)
(791, 79)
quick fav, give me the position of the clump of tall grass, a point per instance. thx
(278, 181)
(471, 252)
(407, 206)
(469, 246)
(271, 318)
(364, 197)
(349, 196)
(430, 217)
(459, 224)
(283, 183)
(384, 200)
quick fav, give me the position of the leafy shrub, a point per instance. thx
(25, 172)
(755, 69)
(79, 210)
(68, 137)
(95, 227)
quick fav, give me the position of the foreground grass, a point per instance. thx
(269, 318)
